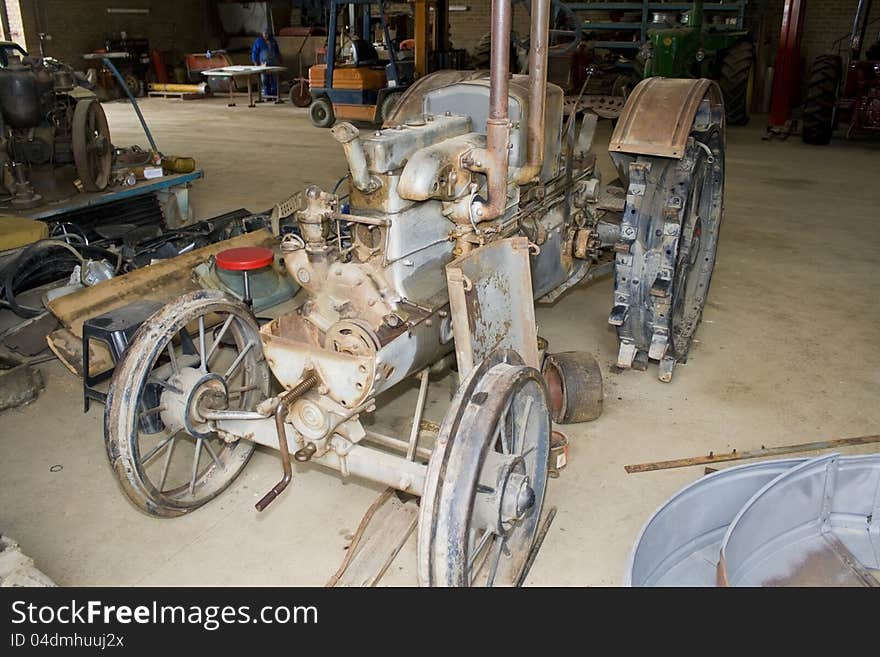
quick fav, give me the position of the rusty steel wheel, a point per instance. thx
(671, 227)
(486, 478)
(92, 149)
(166, 455)
(574, 384)
(299, 93)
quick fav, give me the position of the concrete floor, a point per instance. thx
(786, 353)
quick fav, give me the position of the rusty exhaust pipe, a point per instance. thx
(281, 412)
(493, 161)
(539, 45)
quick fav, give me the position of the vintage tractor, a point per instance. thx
(48, 119)
(474, 199)
(833, 99)
(365, 88)
(698, 50)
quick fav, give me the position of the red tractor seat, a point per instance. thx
(246, 258)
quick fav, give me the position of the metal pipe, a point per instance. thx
(281, 412)
(396, 444)
(360, 219)
(497, 150)
(860, 26)
(373, 465)
(349, 136)
(417, 418)
(137, 110)
(539, 44)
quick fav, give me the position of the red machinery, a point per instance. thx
(854, 100)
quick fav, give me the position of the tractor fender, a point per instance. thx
(659, 115)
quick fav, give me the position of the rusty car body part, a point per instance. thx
(281, 412)
(735, 455)
(490, 302)
(816, 524)
(655, 106)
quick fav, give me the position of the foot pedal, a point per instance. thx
(640, 362)
(659, 345)
(618, 315)
(626, 355)
(660, 288)
(666, 367)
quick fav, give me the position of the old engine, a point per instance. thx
(49, 120)
(471, 165)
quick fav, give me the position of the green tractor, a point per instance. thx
(692, 49)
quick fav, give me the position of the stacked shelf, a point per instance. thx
(640, 28)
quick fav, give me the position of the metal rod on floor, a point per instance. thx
(753, 454)
(536, 547)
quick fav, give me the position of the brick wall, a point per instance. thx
(467, 27)
(81, 26)
(16, 26)
(828, 20)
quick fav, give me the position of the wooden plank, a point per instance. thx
(164, 281)
(386, 534)
(68, 348)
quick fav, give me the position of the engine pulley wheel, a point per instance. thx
(92, 149)
(352, 337)
(165, 453)
(486, 479)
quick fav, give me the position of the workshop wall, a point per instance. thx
(468, 27)
(81, 26)
(828, 20)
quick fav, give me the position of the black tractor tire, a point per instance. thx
(818, 118)
(481, 56)
(388, 105)
(736, 68)
(574, 384)
(321, 113)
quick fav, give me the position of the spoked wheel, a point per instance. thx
(177, 367)
(486, 478)
(299, 93)
(671, 224)
(92, 149)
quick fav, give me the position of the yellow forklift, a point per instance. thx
(367, 86)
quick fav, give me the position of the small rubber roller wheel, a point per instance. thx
(574, 382)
